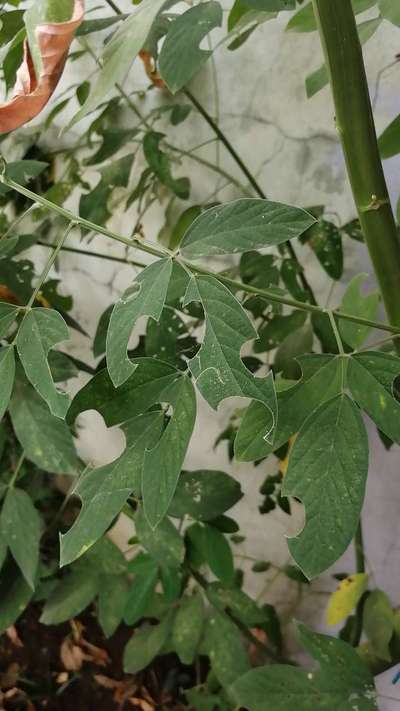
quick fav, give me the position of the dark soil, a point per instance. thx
(33, 676)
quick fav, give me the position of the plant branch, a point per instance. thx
(360, 567)
(50, 263)
(149, 248)
(97, 255)
(355, 124)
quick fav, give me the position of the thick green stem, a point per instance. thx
(360, 567)
(356, 128)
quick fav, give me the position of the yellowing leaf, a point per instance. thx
(346, 597)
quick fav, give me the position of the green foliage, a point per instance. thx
(182, 330)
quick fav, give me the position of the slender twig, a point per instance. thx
(16, 471)
(49, 264)
(97, 255)
(17, 221)
(150, 248)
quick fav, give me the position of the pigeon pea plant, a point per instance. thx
(180, 590)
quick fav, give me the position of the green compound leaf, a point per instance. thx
(188, 627)
(8, 314)
(370, 379)
(341, 683)
(378, 622)
(104, 491)
(160, 164)
(7, 375)
(146, 297)
(181, 56)
(218, 369)
(45, 439)
(146, 644)
(322, 377)
(243, 225)
(21, 529)
(119, 54)
(164, 544)
(40, 331)
(163, 464)
(327, 471)
(203, 495)
(355, 303)
(146, 387)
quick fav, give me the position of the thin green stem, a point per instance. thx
(49, 264)
(97, 255)
(355, 124)
(17, 221)
(336, 332)
(149, 248)
(16, 471)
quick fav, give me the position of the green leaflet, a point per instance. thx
(15, 595)
(378, 623)
(162, 465)
(181, 56)
(112, 140)
(71, 596)
(342, 682)
(145, 644)
(322, 376)
(141, 593)
(45, 439)
(354, 302)
(218, 554)
(104, 491)
(94, 205)
(40, 12)
(139, 393)
(164, 544)
(204, 495)
(245, 11)
(390, 11)
(224, 645)
(327, 471)
(41, 330)
(160, 164)
(22, 171)
(113, 593)
(389, 141)
(188, 627)
(370, 379)
(325, 239)
(243, 225)
(98, 24)
(146, 297)
(8, 314)
(120, 52)
(21, 529)
(218, 369)
(7, 375)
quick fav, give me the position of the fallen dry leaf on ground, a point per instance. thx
(31, 93)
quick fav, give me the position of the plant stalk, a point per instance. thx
(356, 128)
(360, 567)
(150, 248)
